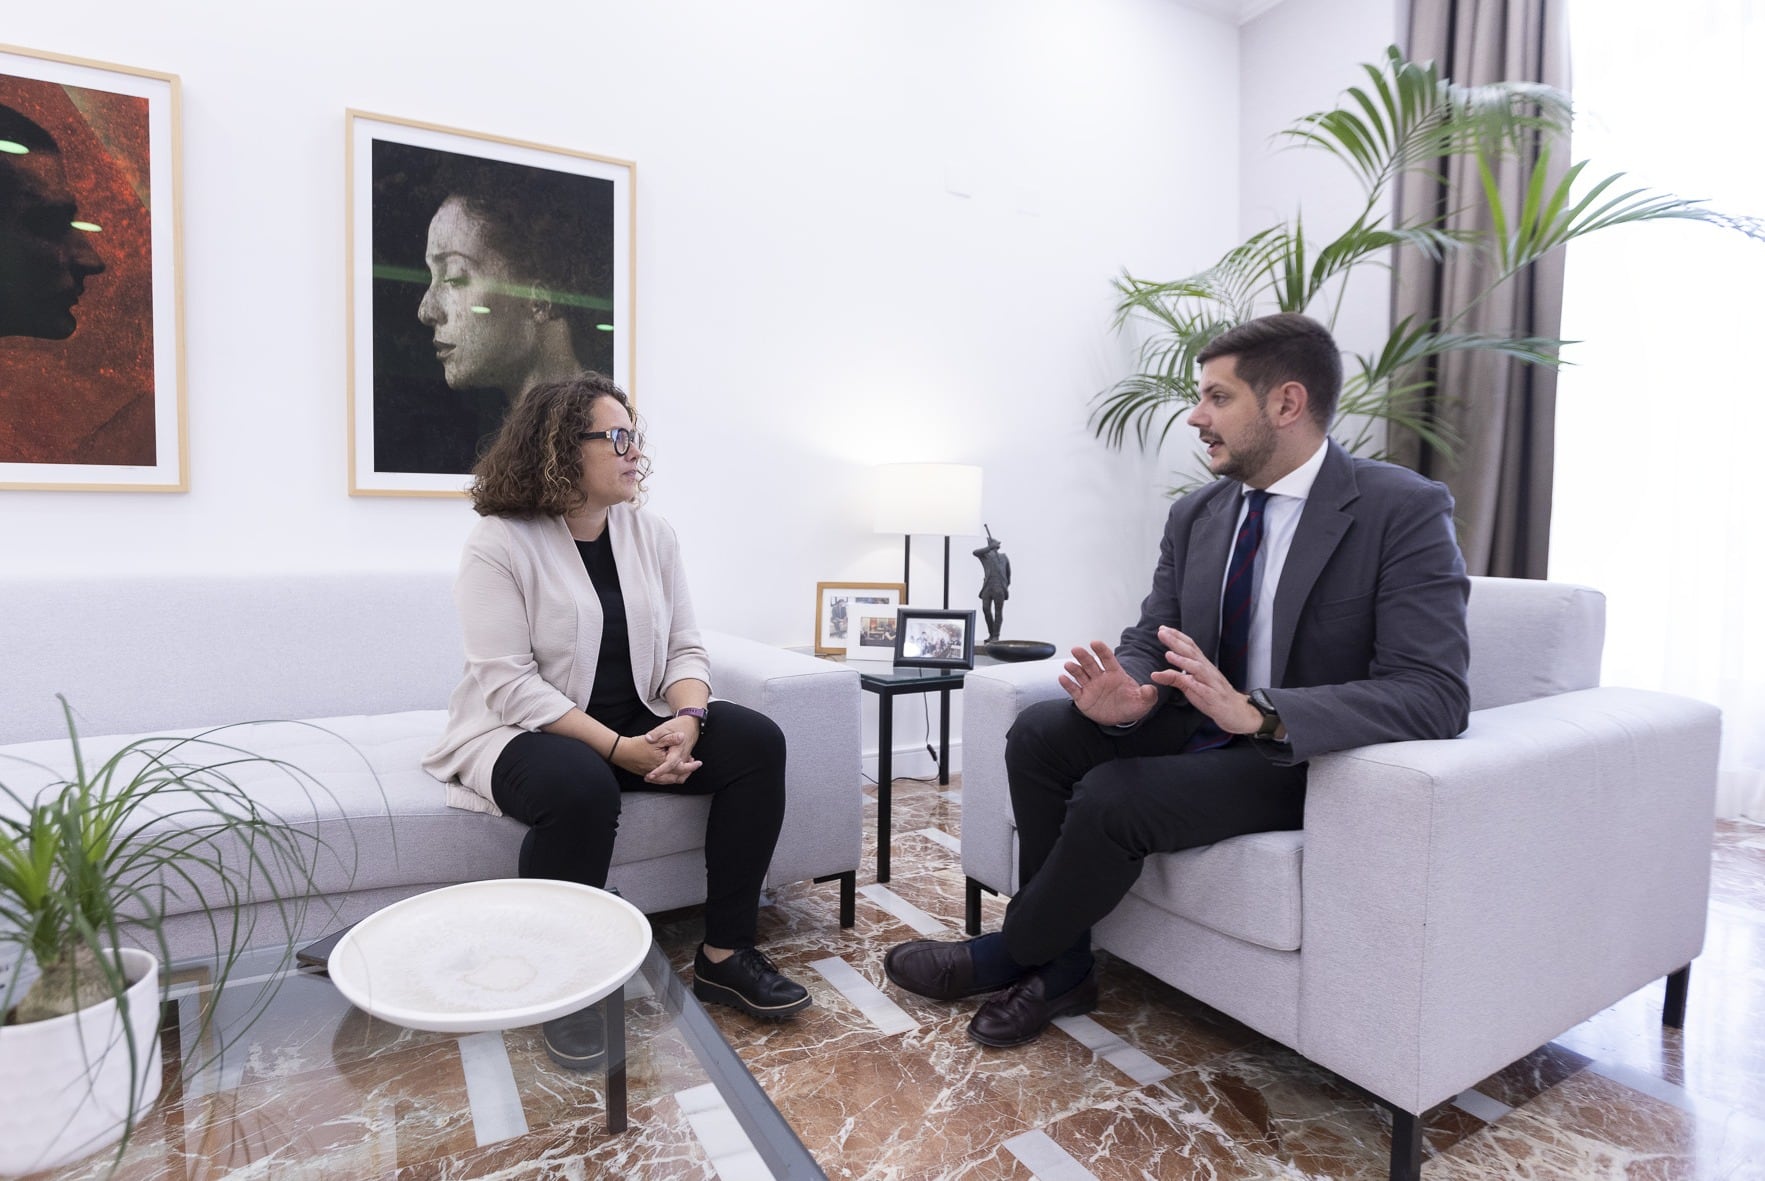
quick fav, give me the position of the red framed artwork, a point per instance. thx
(91, 320)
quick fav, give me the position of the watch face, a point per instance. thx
(1271, 721)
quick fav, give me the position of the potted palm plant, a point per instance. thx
(1406, 119)
(88, 865)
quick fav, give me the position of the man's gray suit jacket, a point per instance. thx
(1369, 641)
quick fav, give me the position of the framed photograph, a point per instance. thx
(871, 633)
(91, 294)
(837, 605)
(479, 266)
(926, 638)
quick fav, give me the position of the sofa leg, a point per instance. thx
(848, 895)
(1406, 1146)
(973, 910)
(1678, 985)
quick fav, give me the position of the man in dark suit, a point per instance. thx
(1304, 602)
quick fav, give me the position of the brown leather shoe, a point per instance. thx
(936, 970)
(1024, 1012)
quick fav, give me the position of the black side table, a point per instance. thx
(888, 684)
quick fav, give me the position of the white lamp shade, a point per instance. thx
(915, 498)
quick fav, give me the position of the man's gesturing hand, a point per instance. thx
(1102, 690)
(1206, 687)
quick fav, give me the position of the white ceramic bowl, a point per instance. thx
(495, 954)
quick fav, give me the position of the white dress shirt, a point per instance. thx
(1280, 522)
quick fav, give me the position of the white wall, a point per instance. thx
(1298, 57)
(867, 232)
(812, 298)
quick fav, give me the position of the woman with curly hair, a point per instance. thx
(585, 678)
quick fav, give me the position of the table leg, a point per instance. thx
(944, 737)
(613, 1014)
(885, 784)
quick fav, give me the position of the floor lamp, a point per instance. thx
(927, 498)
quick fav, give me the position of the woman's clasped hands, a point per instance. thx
(664, 755)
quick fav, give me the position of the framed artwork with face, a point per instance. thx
(479, 267)
(91, 297)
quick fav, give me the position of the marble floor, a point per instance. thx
(1154, 1085)
(883, 1086)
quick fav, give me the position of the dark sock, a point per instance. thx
(993, 965)
(1063, 973)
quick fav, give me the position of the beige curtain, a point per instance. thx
(1503, 411)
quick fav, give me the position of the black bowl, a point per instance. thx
(1018, 649)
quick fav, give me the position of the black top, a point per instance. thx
(614, 685)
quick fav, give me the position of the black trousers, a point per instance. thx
(571, 797)
(1091, 804)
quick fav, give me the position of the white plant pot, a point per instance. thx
(64, 1083)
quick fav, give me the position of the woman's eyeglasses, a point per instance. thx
(623, 440)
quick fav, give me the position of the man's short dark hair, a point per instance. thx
(1282, 348)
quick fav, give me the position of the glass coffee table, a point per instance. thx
(294, 1081)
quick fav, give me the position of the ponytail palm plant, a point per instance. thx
(1406, 119)
(94, 861)
(90, 858)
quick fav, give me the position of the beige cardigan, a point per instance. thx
(532, 628)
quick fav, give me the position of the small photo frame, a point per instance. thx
(836, 607)
(871, 633)
(934, 639)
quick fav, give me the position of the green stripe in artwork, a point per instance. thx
(420, 278)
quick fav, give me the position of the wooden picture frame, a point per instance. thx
(91, 287)
(833, 603)
(926, 638)
(478, 265)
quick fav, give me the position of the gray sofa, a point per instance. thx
(1450, 906)
(371, 659)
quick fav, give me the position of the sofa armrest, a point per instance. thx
(815, 703)
(1466, 901)
(992, 697)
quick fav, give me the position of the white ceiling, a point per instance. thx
(1236, 11)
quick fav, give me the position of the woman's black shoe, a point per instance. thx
(748, 981)
(576, 1041)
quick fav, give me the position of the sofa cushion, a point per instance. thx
(1532, 639)
(357, 782)
(1246, 887)
(354, 781)
(155, 652)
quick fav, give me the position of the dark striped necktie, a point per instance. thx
(1237, 599)
(1235, 605)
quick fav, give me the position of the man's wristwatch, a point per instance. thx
(1271, 721)
(693, 711)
